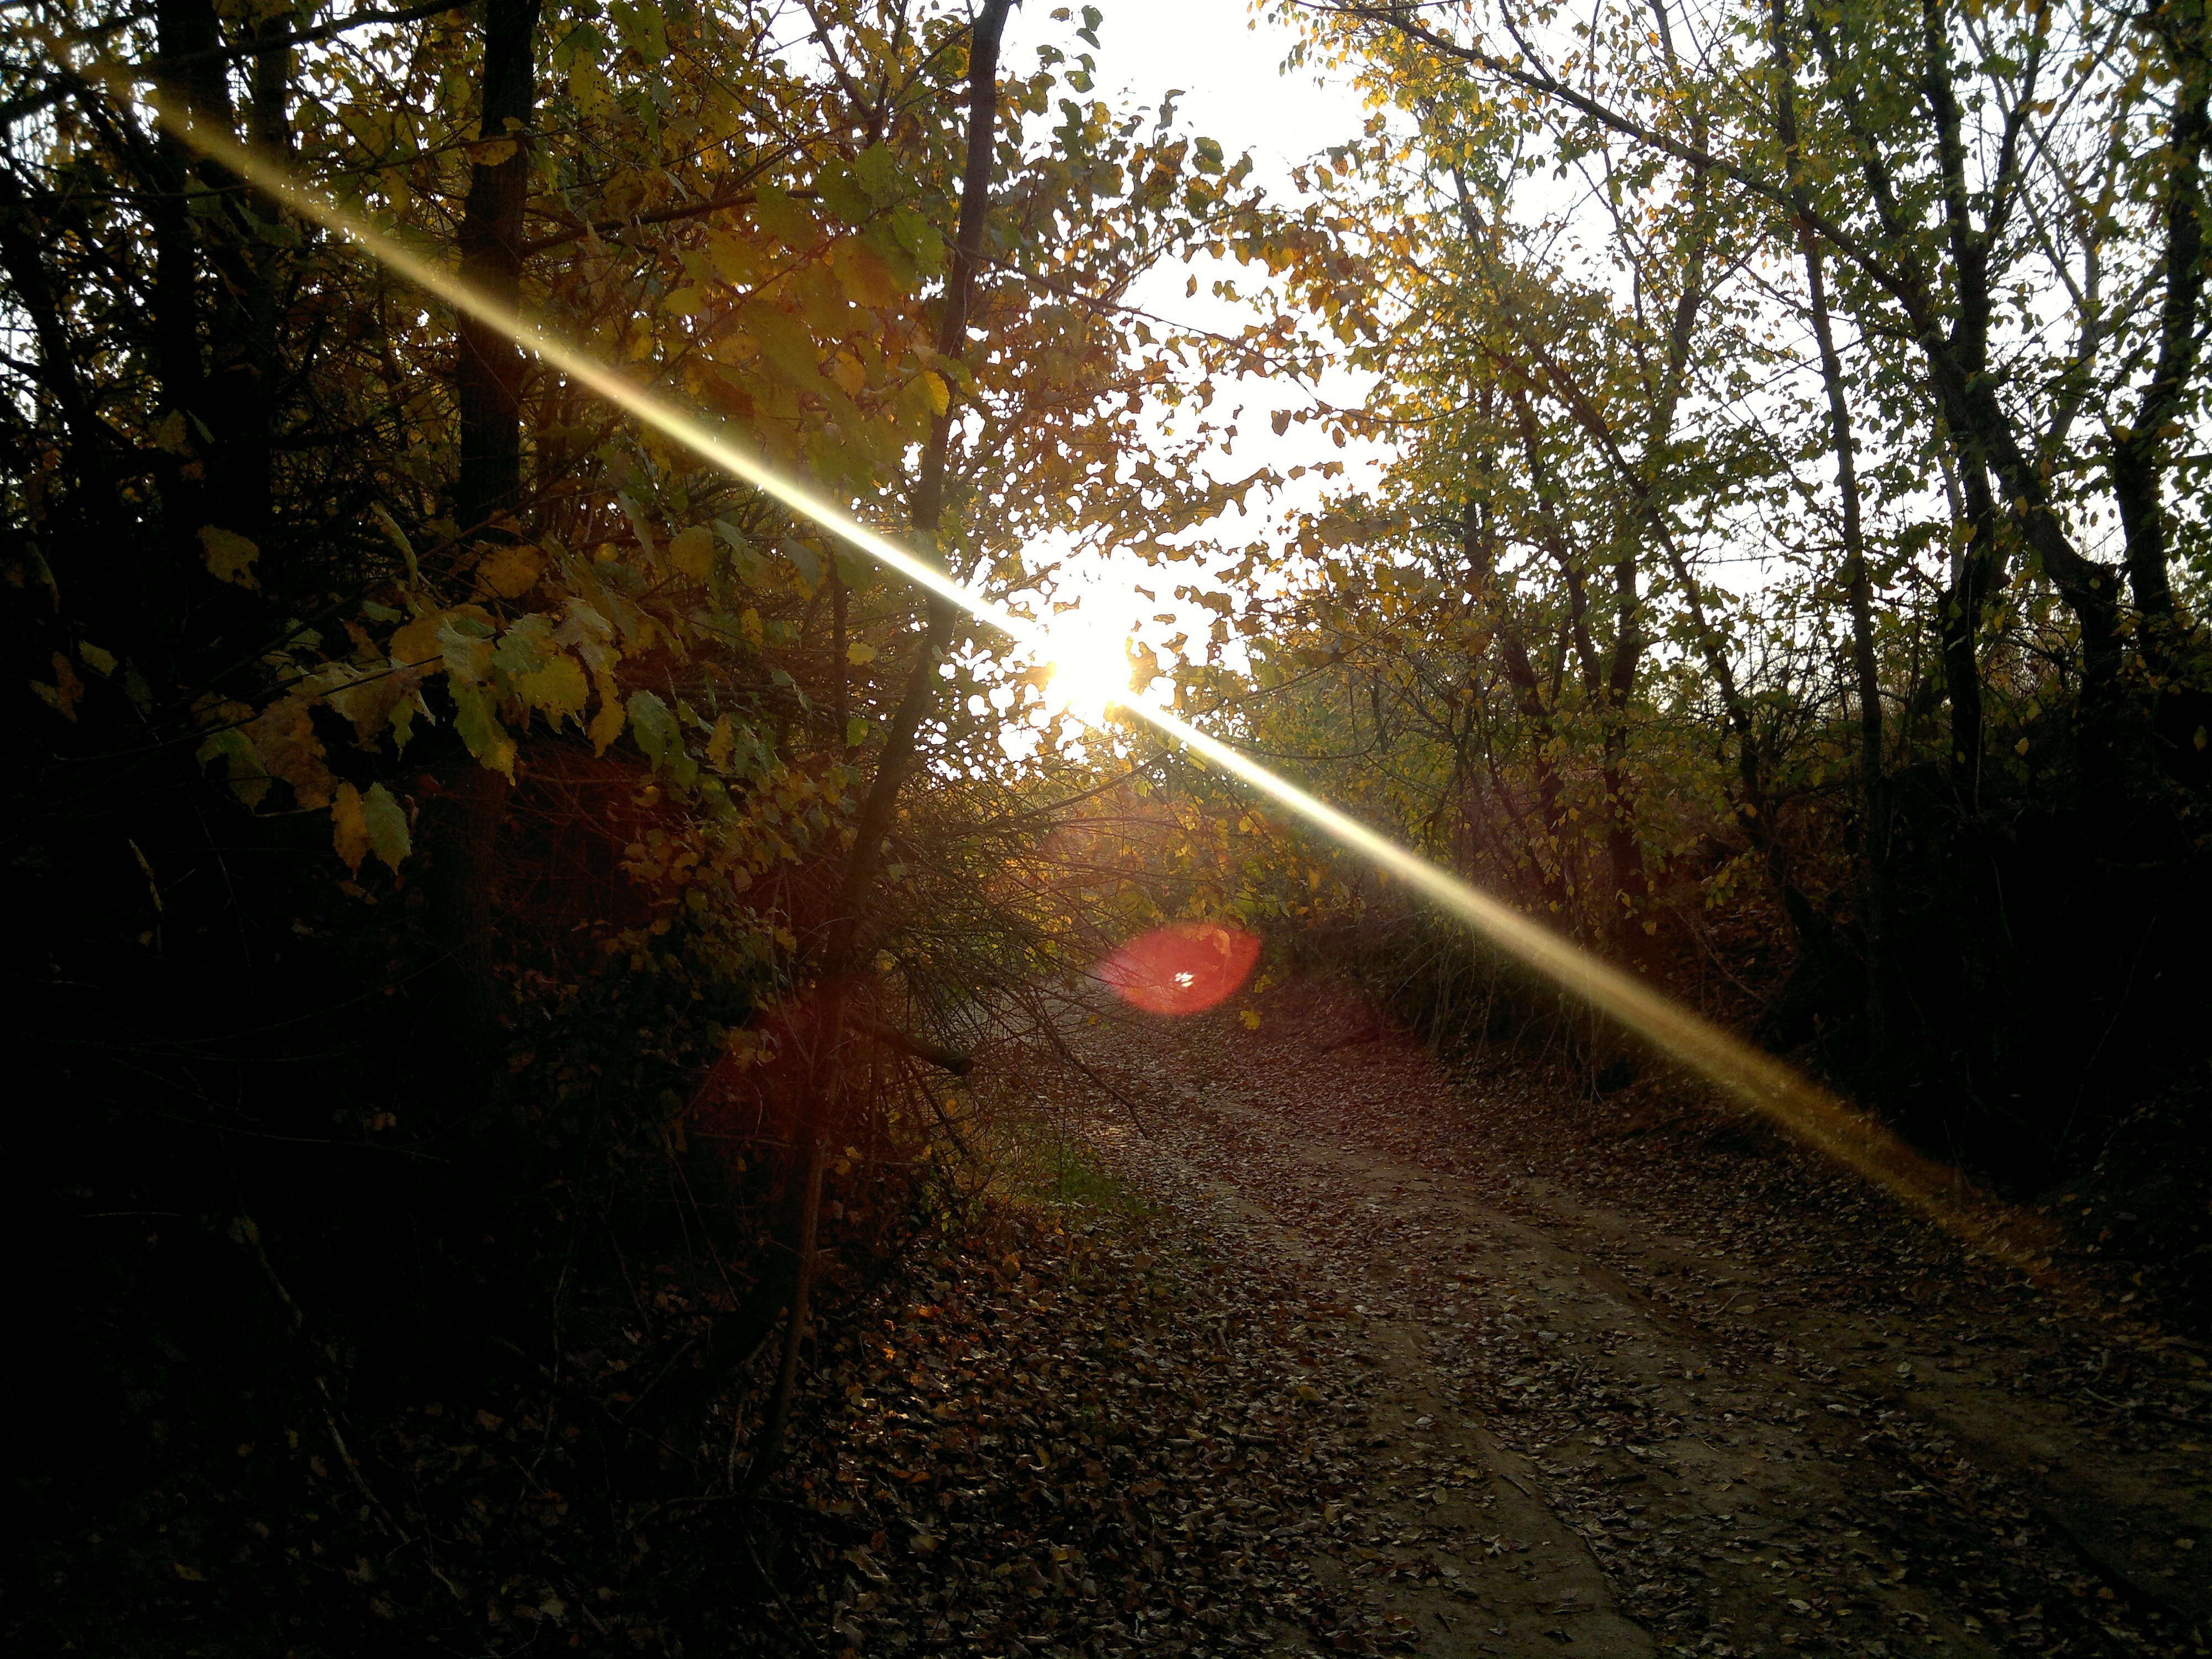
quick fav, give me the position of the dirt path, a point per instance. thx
(1633, 1381)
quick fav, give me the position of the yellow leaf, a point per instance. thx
(229, 555)
(587, 85)
(283, 738)
(749, 622)
(1249, 1019)
(557, 689)
(606, 726)
(860, 655)
(349, 827)
(721, 744)
(940, 395)
(863, 274)
(732, 257)
(511, 572)
(101, 662)
(368, 702)
(419, 640)
(692, 552)
(1144, 667)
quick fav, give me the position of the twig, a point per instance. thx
(900, 1042)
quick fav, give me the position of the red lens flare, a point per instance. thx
(1184, 968)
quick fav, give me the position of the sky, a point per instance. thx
(1225, 61)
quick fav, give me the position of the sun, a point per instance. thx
(1090, 672)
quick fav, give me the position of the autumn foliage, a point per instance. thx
(478, 874)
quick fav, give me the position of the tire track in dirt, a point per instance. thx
(1674, 1446)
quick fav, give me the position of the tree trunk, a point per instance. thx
(1874, 900)
(1528, 696)
(2142, 450)
(489, 368)
(1977, 570)
(187, 60)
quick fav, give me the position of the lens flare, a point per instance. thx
(1756, 1079)
(1184, 968)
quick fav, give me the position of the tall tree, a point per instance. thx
(488, 367)
(826, 1070)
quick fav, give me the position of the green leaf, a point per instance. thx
(385, 820)
(641, 27)
(466, 646)
(524, 648)
(857, 573)
(390, 527)
(843, 194)
(803, 561)
(479, 726)
(402, 719)
(635, 514)
(787, 347)
(249, 779)
(877, 172)
(783, 218)
(919, 238)
(654, 727)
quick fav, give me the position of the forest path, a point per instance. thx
(1618, 1382)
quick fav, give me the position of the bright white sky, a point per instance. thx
(1225, 62)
